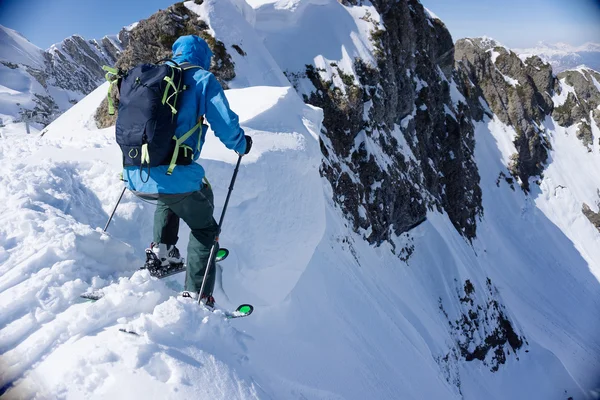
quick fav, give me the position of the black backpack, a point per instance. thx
(145, 128)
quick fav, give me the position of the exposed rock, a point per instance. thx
(400, 110)
(124, 37)
(109, 47)
(594, 217)
(76, 65)
(518, 93)
(10, 64)
(482, 330)
(584, 133)
(582, 101)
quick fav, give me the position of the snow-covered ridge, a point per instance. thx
(15, 48)
(37, 85)
(82, 162)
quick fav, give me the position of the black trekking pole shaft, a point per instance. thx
(114, 210)
(213, 249)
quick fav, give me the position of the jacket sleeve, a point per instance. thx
(223, 121)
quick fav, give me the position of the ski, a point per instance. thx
(243, 310)
(159, 273)
(163, 272)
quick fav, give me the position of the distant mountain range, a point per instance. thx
(39, 85)
(563, 56)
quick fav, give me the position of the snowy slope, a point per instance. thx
(15, 48)
(335, 317)
(563, 56)
(377, 318)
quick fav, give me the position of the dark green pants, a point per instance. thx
(196, 209)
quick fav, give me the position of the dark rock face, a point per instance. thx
(482, 331)
(518, 93)
(395, 143)
(582, 100)
(151, 40)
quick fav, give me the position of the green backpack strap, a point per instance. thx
(112, 75)
(179, 143)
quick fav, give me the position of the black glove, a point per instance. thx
(248, 144)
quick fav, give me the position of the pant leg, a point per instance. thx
(197, 212)
(166, 222)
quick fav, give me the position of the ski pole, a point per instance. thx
(114, 209)
(213, 249)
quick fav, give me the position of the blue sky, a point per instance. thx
(516, 23)
(45, 22)
(521, 23)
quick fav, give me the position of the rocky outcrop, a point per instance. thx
(482, 329)
(594, 217)
(578, 101)
(151, 40)
(395, 143)
(517, 92)
(76, 64)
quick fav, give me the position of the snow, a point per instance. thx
(560, 99)
(335, 318)
(16, 49)
(494, 55)
(450, 112)
(511, 81)
(564, 265)
(583, 70)
(71, 193)
(302, 25)
(131, 27)
(455, 94)
(431, 14)
(504, 136)
(595, 82)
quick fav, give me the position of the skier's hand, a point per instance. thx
(248, 144)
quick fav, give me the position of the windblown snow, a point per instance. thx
(335, 318)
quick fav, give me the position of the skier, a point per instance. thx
(183, 192)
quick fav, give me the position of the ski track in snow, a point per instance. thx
(335, 318)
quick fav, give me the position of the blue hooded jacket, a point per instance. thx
(204, 96)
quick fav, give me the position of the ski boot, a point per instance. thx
(162, 260)
(189, 295)
(208, 301)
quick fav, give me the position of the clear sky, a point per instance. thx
(516, 23)
(521, 23)
(45, 22)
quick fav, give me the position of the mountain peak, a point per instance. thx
(49, 82)
(15, 48)
(563, 56)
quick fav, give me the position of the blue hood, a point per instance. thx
(192, 49)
